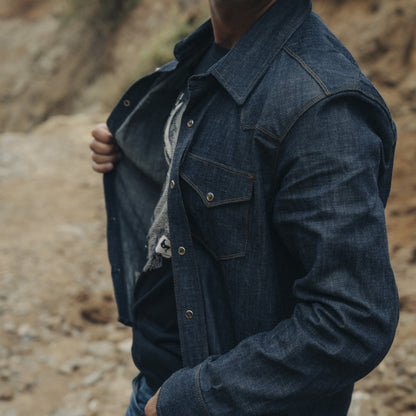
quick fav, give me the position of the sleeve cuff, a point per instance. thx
(181, 395)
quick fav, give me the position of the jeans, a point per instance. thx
(140, 396)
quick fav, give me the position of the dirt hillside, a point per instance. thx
(62, 352)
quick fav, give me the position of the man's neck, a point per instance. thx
(232, 18)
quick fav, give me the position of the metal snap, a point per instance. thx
(126, 103)
(189, 314)
(190, 123)
(210, 196)
(172, 184)
(181, 251)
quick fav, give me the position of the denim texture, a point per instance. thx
(276, 219)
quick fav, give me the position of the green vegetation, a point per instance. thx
(109, 21)
(105, 13)
(159, 49)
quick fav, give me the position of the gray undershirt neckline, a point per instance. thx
(158, 238)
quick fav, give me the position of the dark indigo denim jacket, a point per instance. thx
(285, 294)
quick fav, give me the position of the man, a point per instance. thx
(246, 219)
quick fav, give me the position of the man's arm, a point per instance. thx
(329, 213)
(104, 150)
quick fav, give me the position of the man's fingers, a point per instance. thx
(105, 152)
(102, 167)
(150, 409)
(102, 134)
(103, 148)
(115, 157)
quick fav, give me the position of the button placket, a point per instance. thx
(189, 302)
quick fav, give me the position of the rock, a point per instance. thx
(124, 347)
(51, 322)
(26, 385)
(71, 231)
(98, 308)
(6, 394)
(117, 333)
(408, 303)
(27, 333)
(361, 404)
(70, 366)
(93, 405)
(92, 379)
(101, 349)
(404, 383)
(5, 373)
(10, 327)
(412, 371)
(65, 328)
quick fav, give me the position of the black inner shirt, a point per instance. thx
(156, 346)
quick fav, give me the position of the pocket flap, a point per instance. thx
(216, 184)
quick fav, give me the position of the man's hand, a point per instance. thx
(150, 409)
(105, 152)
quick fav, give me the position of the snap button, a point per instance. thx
(181, 251)
(190, 123)
(189, 314)
(172, 184)
(126, 103)
(210, 196)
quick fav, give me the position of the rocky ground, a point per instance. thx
(62, 352)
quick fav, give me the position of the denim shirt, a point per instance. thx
(284, 291)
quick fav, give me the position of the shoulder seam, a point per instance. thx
(308, 69)
(347, 92)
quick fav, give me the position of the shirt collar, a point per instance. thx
(240, 70)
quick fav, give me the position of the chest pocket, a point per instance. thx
(217, 200)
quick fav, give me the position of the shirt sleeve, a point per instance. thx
(333, 177)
